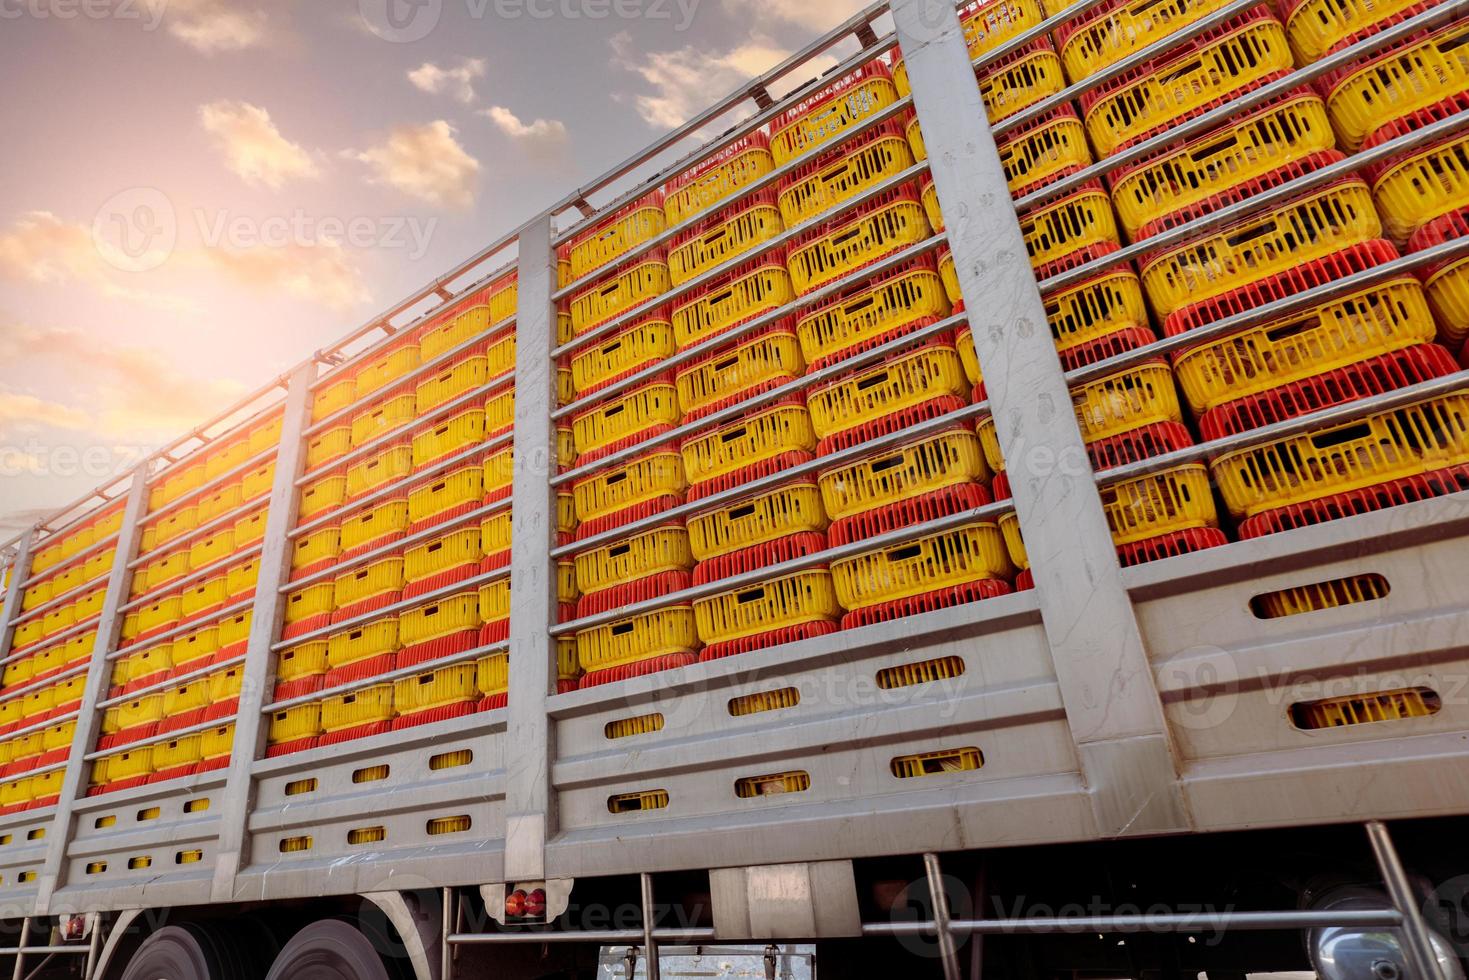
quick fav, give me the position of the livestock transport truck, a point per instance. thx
(1013, 529)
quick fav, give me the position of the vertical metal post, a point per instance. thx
(948, 949)
(94, 943)
(20, 570)
(25, 937)
(119, 581)
(446, 924)
(528, 813)
(1106, 682)
(258, 674)
(1417, 942)
(650, 945)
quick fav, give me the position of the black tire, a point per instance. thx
(332, 949)
(193, 952)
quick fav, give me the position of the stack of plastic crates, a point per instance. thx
(55, 631)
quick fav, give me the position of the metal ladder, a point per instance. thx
(52, 949)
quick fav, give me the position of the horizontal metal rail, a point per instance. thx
(602, 936)
(765, 182)
(55, 640)
(453, 588)
(1274, 310)
(426, 368)
(50, 950)
(245, 605)
(81, 556)
(143, 743)
(800, 471)
(1301, 425)
(762, 576)
(42, 527)
(612, 326)
(1230, 111)
(1259, 202)
(393, 548)
(228, 519)
(15, 693)
(198, 575)
(397, 674)
(214, 483)
(1172, 922)
(37, 726)
(396, 486)
(1036, 33)
(198, 673)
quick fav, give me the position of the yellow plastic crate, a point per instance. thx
(382, 577)
(457, 329)
(157, 574)
(721, 176)
(874, 232)
(386, 368)
(627, 415)
(787, 510)
(177, 753)
(314, 600)
(1178, 499)
(661, 549)
(393, 463)
(1187, 82)
(503, 296)
(98, 565)
(215, 548)
(451, 436)
(1077, 221)
(333, 397)
(215, 743)
(163, 612)
(495, 531)
(16, 673)
(824, 116)
(1126, 400)
(1264, 140)
(451, 614)
(227, 458)
(49, 659)
(791, 600)
(1322, 222)
(257, 481)
(68, 692)
(58, 736)
(202, 596)
(364, 707)
(645, 342)
(1317, 26)
(178, 484)
(1448, 294)
(1103, 305)
(1420, 438)
(492, 674)
(189, 651)
(615, 236)
(27, 634)
(1362, 325)
(740, 295)
(242, 578)
(374, 524)
(220, 502)
(37, 702)
(363, 642)
(452, 550)
(90, 605)
(716, 241)
(302, 660)
(455, 684)
(140, 711)
(293, 724)
(924, 466)
(132, 764)
(736, 445)
(632, 287)
(176, 524)
(264, 435)
(316, 547)
(250, 529)
(987, 24)
(869, 394)
(1398, 83)
(465, 375)
(647, 478)
(186, 697)
(1422, 187)
(14, 792)
(823, 184)
(454, 490)
(661, 633)
(384, 417)
(1102, 41)
(1014, 84)
(869, 313)
(494, 601)
(769, 357)
(926, 564)
(324, 447)
(500, 411)
(36, 595)
(58, 619)
(66, 580)
(143, 664)
(235, 629)
(498, 472)
(931, 206)
(225, 685)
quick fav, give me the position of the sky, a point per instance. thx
(198, 193)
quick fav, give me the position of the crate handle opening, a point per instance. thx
(873, 380)
(857, 306)
(1214, 149)
(733, 434)
(614, 410)
(725, 365)
(842, 239)
(1251, 234)
(753, 595)
(740, 513)
(622, 629)
(1345, 434)
(617, 551)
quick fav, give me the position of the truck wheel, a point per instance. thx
(188, 952)
(331, 949)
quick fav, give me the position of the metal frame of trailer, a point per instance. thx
(1107, 702)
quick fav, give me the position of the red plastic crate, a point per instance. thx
(1394, 493)
(887, 424)
(905, 513)
(1138, 444)
(1371, 29)
(1106, 346)
(1171, 545)
(764, 468)
(1076, 259)
(442, 713)
(307, 625)
(366, 606)
(358, 670)
(1241, 192)
(760, 641)
(285, 690)
(1000, 486)
(642, 668)
(359, 731)
(1422, 362)
(177, 772)
(955, 595)
(439, 580)
(651, 587)
(1411, 123)
(1319, 272)
(1444, 228)
(759, 556)
(289, 748)
(447, 646)
(609, 522)
(1040, 122)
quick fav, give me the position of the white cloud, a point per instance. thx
(541, 134)
(456, 82)
(20, 412)
(686, 80)
(322, 272)
(815, 15)
(211, 26)
(253, 147)
(425, 162)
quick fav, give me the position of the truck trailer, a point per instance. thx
(979, 515)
